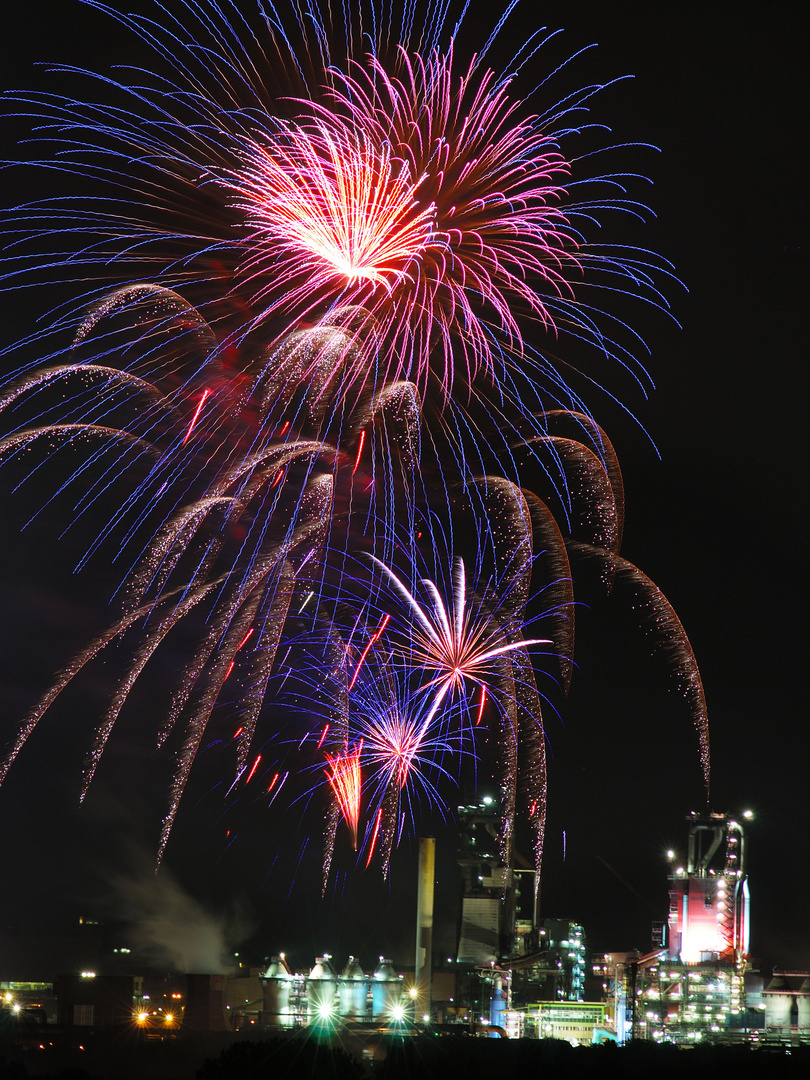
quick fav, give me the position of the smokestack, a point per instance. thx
(423, 975)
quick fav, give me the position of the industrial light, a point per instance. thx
(398, 1012)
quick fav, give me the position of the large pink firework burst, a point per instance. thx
(419, 195)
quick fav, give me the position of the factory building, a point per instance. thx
(691, 987)
(697, 989)
(709, 904)
(516, 971)
(487, 903)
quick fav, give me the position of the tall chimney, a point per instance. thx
(423, 975)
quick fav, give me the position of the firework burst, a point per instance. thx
(418, 196)
(328, 260)
(390, 187)
(455, 645)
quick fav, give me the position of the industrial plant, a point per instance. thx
(515, 974)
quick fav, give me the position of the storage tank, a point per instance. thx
(321, 988)
(803, 999)
(353, 991)
(386, 990)
(778, 1000)
(276, 987)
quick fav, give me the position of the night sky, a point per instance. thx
(718, 522)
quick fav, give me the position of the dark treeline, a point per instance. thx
(428, 1058)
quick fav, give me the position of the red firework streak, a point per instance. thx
(481, 706)
(244, 641)
(375, 637)
(205, 394)
(374, 837)
(345, 781)
(359, 451)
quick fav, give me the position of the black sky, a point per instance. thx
(719, 523)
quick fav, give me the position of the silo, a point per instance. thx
(353, 991)
(321, 989)
(803, 998)
(778, 1000)
(276, 985)
(386, 990)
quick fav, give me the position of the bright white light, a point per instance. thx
(398, 1012)
(325, 1010)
